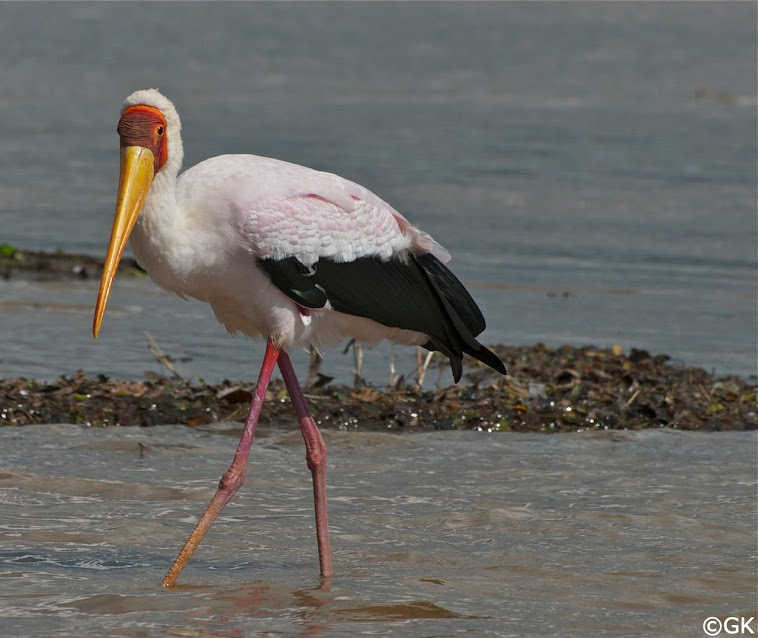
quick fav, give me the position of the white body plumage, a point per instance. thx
(200, 233)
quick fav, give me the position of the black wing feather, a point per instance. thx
(294, 280)
(450, 288)
(409, 292)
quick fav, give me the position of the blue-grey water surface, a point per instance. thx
(559, 151)
(620, 534)
(592, 168)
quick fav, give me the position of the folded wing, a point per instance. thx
(408, 291)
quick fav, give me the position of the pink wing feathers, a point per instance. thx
(287, 210)
(284, 210)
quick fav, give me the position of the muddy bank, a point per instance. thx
(16, 263)
(547, 390)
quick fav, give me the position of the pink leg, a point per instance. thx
(315, 456)
(234, 476)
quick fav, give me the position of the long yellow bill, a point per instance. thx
(135, 178)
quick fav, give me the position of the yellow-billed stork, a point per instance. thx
(282, 252)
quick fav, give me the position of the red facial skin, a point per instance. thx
(145, 126)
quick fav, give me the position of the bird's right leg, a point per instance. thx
(315, 456)
(234, 476)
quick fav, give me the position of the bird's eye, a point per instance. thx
(159, 130)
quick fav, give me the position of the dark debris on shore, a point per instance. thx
(16, 263)
(547, 390)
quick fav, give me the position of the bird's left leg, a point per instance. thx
(315, 456)
(235, 475)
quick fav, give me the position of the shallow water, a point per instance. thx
(558, 151)
(446, 534)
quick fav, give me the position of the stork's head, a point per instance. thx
(151, 148)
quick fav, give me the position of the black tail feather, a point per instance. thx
(486, 356)
(464, 316)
